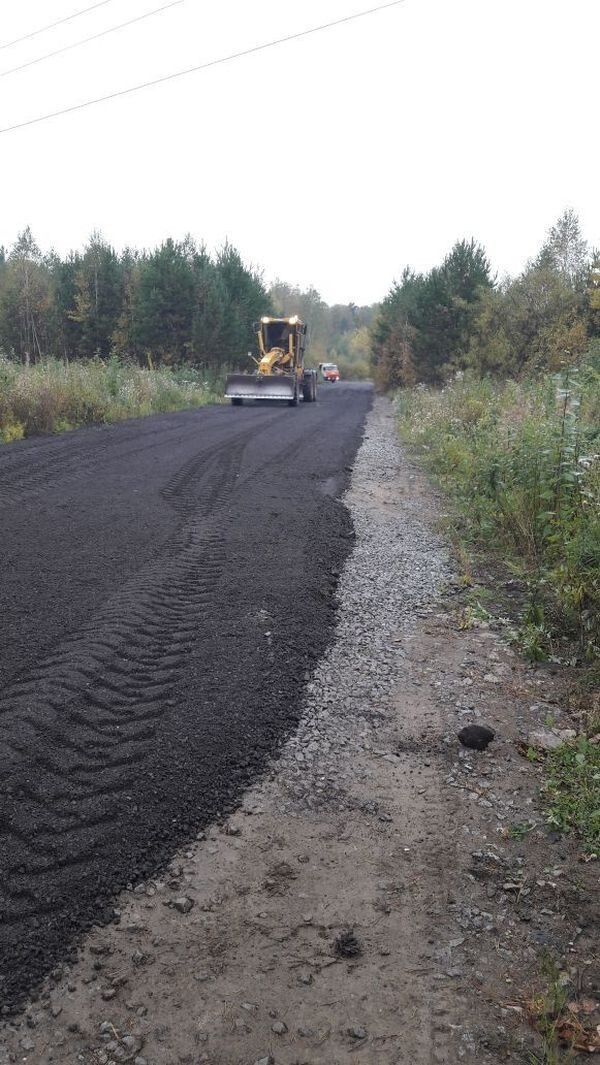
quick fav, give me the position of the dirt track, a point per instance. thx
(167, 586)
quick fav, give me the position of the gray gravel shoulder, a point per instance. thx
(393, 576)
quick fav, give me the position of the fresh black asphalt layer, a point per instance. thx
(166, 588)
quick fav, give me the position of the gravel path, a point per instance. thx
(393, 575)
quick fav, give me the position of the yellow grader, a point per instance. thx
(280, 372)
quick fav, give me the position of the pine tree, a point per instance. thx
(163, 302)
(98, 297)
(247, 300)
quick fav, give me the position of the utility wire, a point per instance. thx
(202, 66)
(51, 25)
(86, 40)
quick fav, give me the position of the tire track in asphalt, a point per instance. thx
(110, 696)
(86, 774)
(39, 468)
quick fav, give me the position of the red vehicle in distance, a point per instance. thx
(329, 372)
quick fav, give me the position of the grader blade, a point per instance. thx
(241, 386)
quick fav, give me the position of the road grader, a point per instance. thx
(280, 373)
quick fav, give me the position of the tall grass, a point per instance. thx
(522, 463)
(52, 396)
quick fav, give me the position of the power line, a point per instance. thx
(51, 25)
(86, 40)
(202, 66)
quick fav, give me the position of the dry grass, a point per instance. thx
(53, 396)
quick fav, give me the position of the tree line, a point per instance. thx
(176, 304)
(458, 316)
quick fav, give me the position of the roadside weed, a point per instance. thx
(471, 614)
(562, 1018)
(572, 789)
(52, 396)
(521, 464)
(520, 830)
(546, 1012)
(533, 641)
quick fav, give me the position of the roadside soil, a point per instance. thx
(382, 894)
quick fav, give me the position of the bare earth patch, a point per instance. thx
(384, 895)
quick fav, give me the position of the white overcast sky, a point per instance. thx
(331, 161)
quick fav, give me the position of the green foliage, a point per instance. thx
(522, 462)
(163, 302)
(52, 396)
(97, 297)
(425, 322)
(173, 305)
(592, 296)
(457, 317)
(533, 639)
(572, 790)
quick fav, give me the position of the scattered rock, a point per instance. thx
(549, 740)
(357, 1032)
(491, 678)
(279, 1028)
(232, 830)
(183, 904)
(132, 1043)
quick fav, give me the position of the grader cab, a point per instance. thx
(280, 373)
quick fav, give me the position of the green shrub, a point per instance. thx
(522, 462)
